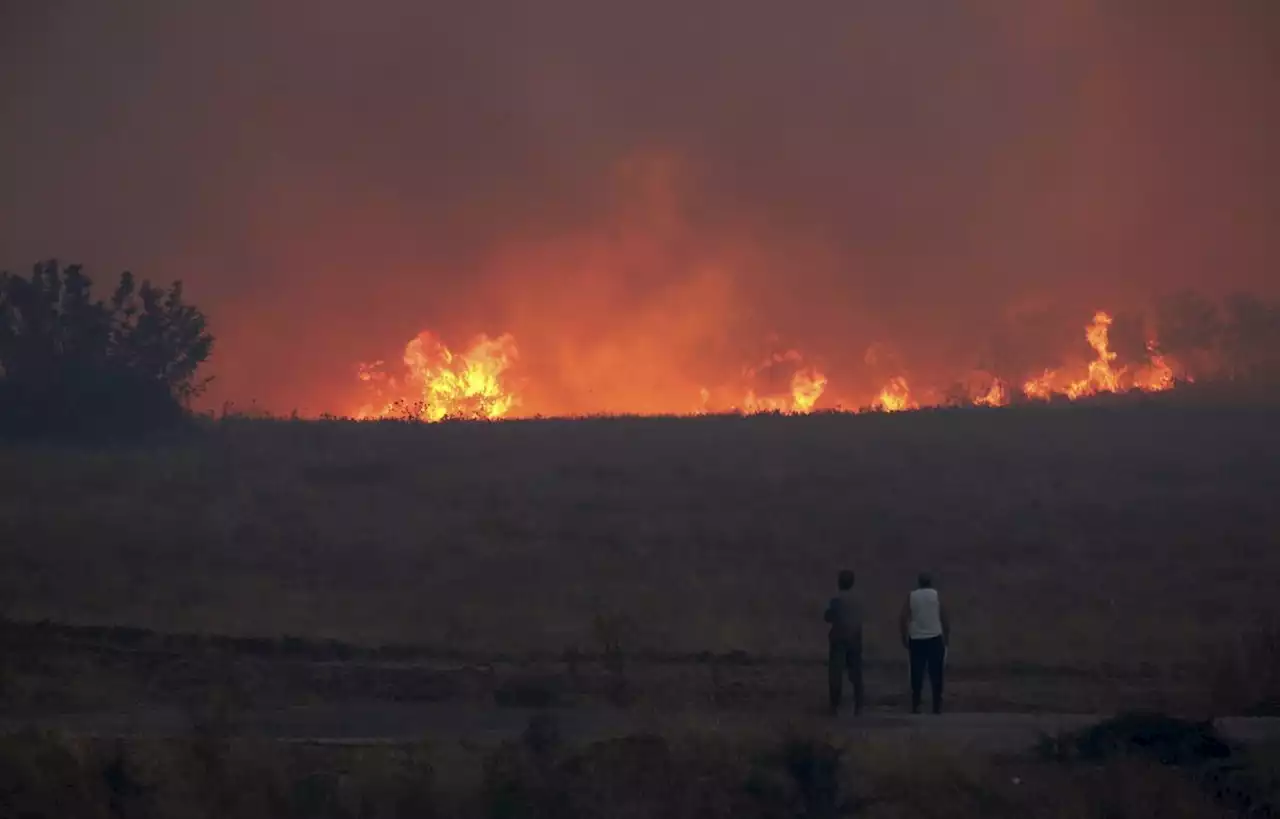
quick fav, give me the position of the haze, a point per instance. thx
(647, 195)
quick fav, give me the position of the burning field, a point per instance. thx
(481, 381)
(650, 309)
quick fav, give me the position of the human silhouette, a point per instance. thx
(926, 632)
(844, 643)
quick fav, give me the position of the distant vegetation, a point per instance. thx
(1231, 342)
(1241, 334)
(72, 366)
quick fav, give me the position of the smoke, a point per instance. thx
(651, 197)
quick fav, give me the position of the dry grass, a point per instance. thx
(1091, 538)
(768, 774)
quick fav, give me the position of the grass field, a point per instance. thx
(1084, 537)
(771, 772)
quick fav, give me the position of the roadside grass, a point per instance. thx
(773, 771)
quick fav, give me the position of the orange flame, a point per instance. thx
(995, 396)
(447, 384)
(474, 383)
(805, 388)
(895, 397)
(1101, 376)
(1157, 376)
(1040, 387)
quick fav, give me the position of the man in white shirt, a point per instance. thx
(926, 631)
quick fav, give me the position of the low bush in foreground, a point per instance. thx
(798, 774)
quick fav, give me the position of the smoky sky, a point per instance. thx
(329, 178)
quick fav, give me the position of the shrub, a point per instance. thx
(75, 367)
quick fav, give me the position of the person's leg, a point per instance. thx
(937, 657)
(854, 659)
(917, 658)
(835, 675)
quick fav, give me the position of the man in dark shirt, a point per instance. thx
(844, 642)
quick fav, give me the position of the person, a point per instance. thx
(844, 643)
(926, 633)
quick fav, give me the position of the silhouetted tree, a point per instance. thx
(1251, 337)
(1190, 328)
(1128, 339)
(72, 366)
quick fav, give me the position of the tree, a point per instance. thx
(1190, 328)
(74, 366)
(1127, 338)
(1251, 337)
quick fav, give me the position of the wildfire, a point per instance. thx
(443, 384)
(805, 387)
(475, 383)
(1102, 376)
(895, 397)
(1040, 387)
(995, 396)
(1157, 376)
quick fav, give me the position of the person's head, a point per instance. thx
(925, 580)
(845, 579)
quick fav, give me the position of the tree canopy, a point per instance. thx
(75, 366)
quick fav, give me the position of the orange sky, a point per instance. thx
(649, 198)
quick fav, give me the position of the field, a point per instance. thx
(650, 590)
(770, 773)
(1072, 544)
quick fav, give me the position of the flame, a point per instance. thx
(704, 400)
(1157, 376)
(895, 397)
(806, 385)
(475, 383)
(1102, 376)
(995, 396)
(445, 384)
(1040, 387)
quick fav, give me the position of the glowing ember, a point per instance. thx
(442, 384)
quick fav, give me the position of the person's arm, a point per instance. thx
(946, 624)
(904, 618)
(830, 615)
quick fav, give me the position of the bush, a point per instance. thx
(1162, 738)
(75, 367)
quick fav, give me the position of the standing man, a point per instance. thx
(926, 631)
(844, 643)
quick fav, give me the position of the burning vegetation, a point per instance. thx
(643, 310)
(480, 382)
